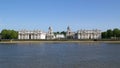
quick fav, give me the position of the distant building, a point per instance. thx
(70, 34)
(36, 34)
(80, 34)
(50, 34)
(60, 36)
(89, 34)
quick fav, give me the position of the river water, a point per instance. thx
(60, 55)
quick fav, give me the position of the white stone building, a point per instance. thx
(70, 34)
(89, 34)
(50, 34)
(35, 34)
(80, 34)
(60, 36)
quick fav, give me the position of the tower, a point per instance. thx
(68, 30)
(50, 34)
(50, 31)
(69, 33)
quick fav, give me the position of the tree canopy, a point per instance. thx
(9, 34)
(111, 33)
(63, 32)
(116, 32)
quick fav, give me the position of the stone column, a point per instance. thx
(27, 36)
(31, 36)
(22, 36)
(18, 36)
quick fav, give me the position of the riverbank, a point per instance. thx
(60, 41)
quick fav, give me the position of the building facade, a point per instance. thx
(69, 33)
(50, 34)
(59, 36)
(80, 34)
(89, 34)
(36, 34)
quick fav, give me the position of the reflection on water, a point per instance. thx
(60, 55)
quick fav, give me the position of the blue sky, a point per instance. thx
(78, 14)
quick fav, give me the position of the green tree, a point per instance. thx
(116, 32)
(4, 34)
(14, 34)
(58, 32)
(109, 33)
(104, 34)
(63, 32)
(9, 34)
